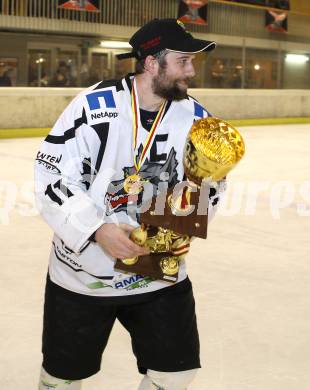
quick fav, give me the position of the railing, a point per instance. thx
(121, 12)
(222, 18)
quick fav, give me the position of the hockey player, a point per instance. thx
(112, 135)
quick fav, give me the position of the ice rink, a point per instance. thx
(251, 276)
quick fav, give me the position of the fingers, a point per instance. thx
(123, 247)
(126, 228)
(123, 252)
(130, 244)
(134, 249)
(115, 241)
(139, 250)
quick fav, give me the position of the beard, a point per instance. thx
(167, 88)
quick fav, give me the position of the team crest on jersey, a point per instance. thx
(116, 199)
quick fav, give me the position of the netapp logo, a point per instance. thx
(104, 115)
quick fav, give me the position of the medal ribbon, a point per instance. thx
(135, 125)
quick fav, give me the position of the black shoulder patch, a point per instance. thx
(61, 139)
(110, 83)
(79, 121)
(68, 134)
(102, 130)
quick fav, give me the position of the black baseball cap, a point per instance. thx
(160, 34)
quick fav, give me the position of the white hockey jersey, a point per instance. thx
(79, 176)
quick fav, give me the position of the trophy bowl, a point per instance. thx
(212, 149)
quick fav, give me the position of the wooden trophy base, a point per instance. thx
(148, 265)
(194, 223)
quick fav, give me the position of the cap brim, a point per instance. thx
(123, 56)
(192, 46)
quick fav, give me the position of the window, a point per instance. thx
(8, 71)
(66, 72)
(296, 74)
(261, 68)
(224, 68)
(122, 67)
(39, 67)
(100, 68)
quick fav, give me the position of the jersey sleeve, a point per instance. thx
(199, 110)
(65, 167)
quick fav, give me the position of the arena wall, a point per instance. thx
(40, 107)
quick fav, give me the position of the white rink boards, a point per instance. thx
(251, 276)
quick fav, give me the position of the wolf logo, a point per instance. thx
(116, 198)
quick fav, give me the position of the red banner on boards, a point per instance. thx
(280, 4)
(193, 11)
(79, 5)
(276, 21)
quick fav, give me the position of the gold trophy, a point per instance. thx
(213, 148)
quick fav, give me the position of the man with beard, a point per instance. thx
(112, 137)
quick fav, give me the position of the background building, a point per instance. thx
(44, 45)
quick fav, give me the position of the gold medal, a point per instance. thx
(169, 265)
(133, 184)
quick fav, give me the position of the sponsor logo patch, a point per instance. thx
(49, 161)
(100, 99)
(104, 115)
(132, 282)
(64, 253)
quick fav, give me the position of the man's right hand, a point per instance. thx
(115, 241)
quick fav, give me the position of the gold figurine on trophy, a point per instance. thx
(161, 241)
